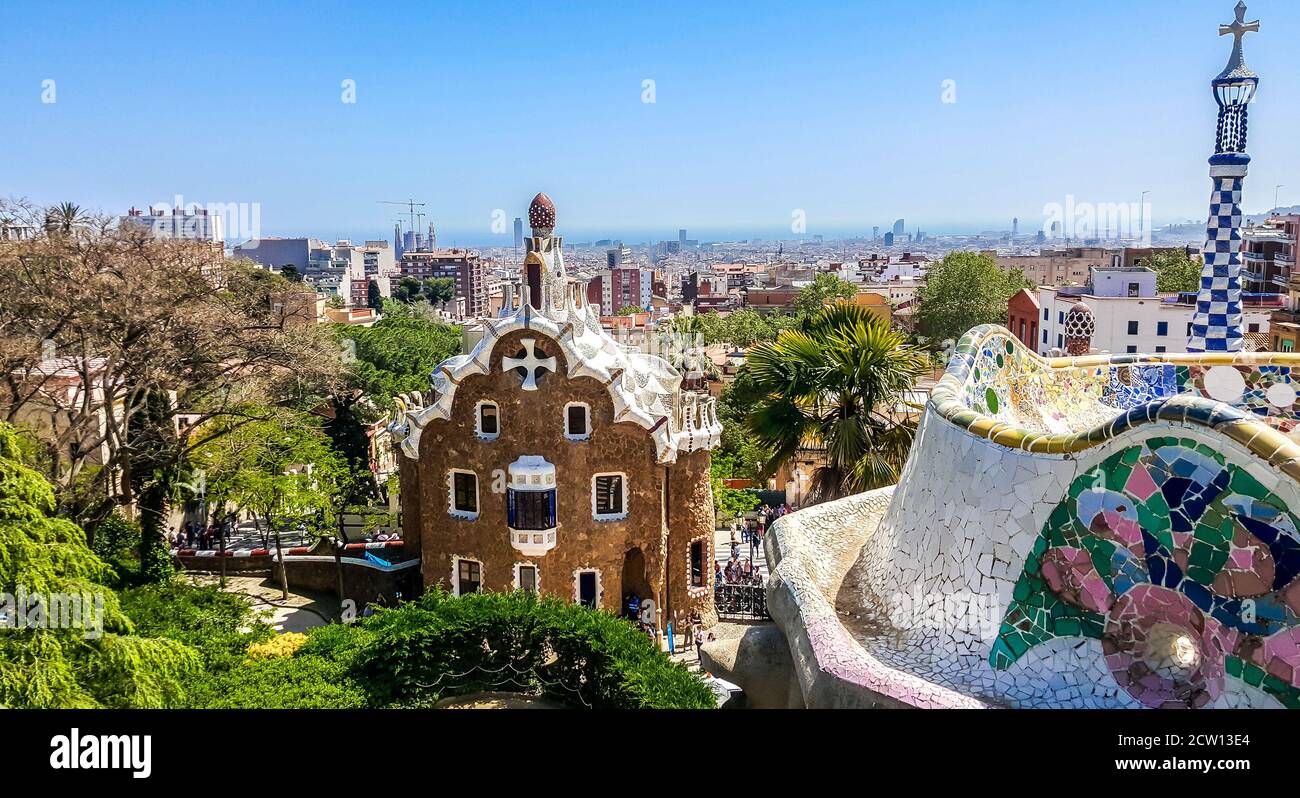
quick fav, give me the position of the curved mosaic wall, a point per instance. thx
(1126, 527)
(998, 389)
(1183, 565)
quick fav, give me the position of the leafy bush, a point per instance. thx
(299, 682)
(285, 645)
(442, 645)
(221, 626)
(115, 535)
(64, 667)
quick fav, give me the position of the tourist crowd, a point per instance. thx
(192, 535)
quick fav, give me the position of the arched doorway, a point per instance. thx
(634, 580)
(533, 273)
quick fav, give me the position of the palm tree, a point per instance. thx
(836, 384)
(64, 218)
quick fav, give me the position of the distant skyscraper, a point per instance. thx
(875, 233)
(889, 239)
(433, 238)
(397, 241)
(899, 227)
(1015, 226)
(681, 237)
(519, 232)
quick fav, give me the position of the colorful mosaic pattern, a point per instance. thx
(997, 389)
(1008, 381)
(1266, 391)
(1184, 567)
(1216, 325)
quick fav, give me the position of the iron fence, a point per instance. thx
(741, 601)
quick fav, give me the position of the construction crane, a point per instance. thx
(411, 206)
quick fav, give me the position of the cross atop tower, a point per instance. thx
(1239, 28)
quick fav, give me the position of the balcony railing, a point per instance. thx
(741, 601)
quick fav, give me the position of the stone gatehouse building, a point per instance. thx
(549, 458)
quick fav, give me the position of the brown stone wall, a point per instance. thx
(532, 423)
(690, 518)
(409, 475)
(361, 583)
(261, 563)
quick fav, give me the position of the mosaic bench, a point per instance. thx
(1102, 531)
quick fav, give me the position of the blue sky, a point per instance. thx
(761, 108)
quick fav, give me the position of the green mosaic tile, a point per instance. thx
(1117, 477)
(1068, 627)
(1253, 675)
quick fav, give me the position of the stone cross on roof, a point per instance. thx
(533, 365)
(1239, 28)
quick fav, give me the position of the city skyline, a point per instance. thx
(843, 128)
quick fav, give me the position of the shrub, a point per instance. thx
(114, 536)
(60, 668)
(442, 645)
(285, 645)
(298, 682)
(220, 625)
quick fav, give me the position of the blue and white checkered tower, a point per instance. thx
(1216, 327)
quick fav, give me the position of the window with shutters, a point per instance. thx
(609, 497)
(526, 578)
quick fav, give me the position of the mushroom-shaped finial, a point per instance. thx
(541, 215)
(1080, 324)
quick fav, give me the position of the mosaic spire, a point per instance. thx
(1216, 326)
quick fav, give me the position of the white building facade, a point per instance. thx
(1130, 316)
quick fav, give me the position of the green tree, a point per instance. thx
(284, 469)
(395, 355)
(748, 457)
(65, 218)
(63, 668)
(630, 310)
(744, 328)
(290, 272)
(439, 290)
(374, 297)
(436, 290)
(398, 353)
(1175, 271)
(964, 290)
(728, 502)
(826, 289)
(836, 384)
